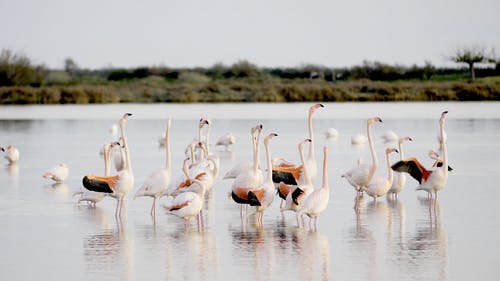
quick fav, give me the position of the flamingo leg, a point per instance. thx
(153, 207)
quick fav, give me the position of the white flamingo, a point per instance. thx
(120, 184)
(245, 165)
(432, 180)
(262, 196)
(226, 140)
(390, 136)
(331, 133)
(360, 175)
(358, 139)
(379, 186)
(299, 193)
(188, 204)
(156, 184)
(12, 154)
(317, 202)
(399, 178)
(249, 179)
(287, 173)
(58, 174)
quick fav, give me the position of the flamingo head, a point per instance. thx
(302, 143)
(374, 119)
(313, 108)
(1, 148)
(203, 121)
(269, 138)
(403, 139)
(124, 118)
(433, 155)
(443, 116)
(390, 150)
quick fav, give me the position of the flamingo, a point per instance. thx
(208, 154)
(262, 196)
(92, 196)
(379, 186)
(188, 204)
(434, 179)
(437, 162)
(317, 202)
(249, 179)
(299, 193)
(399, 178)
(120, 184)
(12, 154)
(360, 175)
(291, 175)
(205, 171)
(156, 184)
(226, 140)
(358, 139)
(331, 133)
(58, 174)
(243, 166)
(203, 121)
(390, 136)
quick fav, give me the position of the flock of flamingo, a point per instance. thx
(293, 183)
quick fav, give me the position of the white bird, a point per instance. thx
(432, 180)
(379, 186)
(317, 202)
(262, 196)
(58, 174)
(120, 184)
(358, 139)
(113, 130)
(390, 136)
(299, 193)
(360, 175)
(249, 179)
(245, 165)
(226, 140)
(156, 184)
(12, 154)
(281, 172)
(399, 178)
(188, 204)
(331, 133)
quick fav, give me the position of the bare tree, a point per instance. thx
(470, 55)
(70, 66)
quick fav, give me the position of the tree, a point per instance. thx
(70, 66)
(17, 69)
(470, 55)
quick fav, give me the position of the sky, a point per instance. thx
(269, 33)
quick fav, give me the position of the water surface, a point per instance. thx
(44, 233)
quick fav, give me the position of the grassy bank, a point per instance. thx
(156, 89)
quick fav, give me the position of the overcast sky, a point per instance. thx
(269, 33)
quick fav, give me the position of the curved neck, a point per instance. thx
(127, 152)
(372, 151)
(325, 169)
(193, 153)
(167, 147)
(256, 158)
(390, 175)
(401, 153)
(107, 170)
(311, 135)
(269, 164)
(304, 166)
(443, 145)
(207, 139)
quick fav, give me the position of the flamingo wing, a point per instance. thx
(100, 184)
(413, 167)
(286, 174)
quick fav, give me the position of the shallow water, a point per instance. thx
(45, 233)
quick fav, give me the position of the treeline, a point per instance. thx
(22, 82)
(150, 90)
